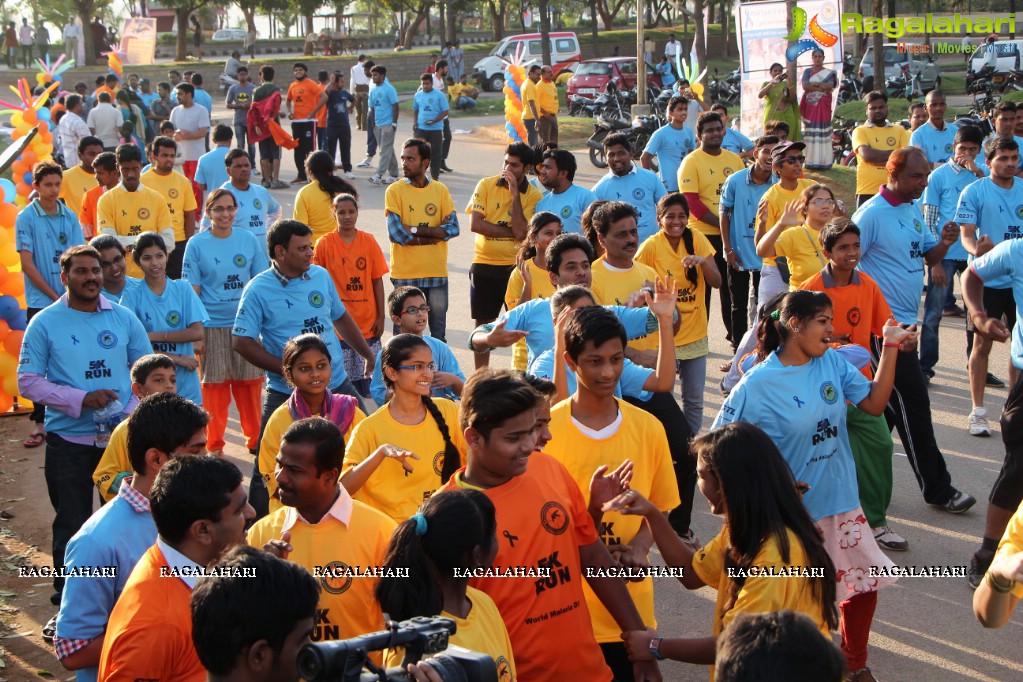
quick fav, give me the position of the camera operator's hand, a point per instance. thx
(279, 548)
(424, 672)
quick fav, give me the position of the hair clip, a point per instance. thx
(420, 523)
(775, 315)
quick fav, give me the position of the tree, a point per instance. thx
(878, 43)
(182, 10)
(58, 12)
(609, 9)
(498, 11)
(545, 32)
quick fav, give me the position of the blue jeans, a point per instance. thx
(465, 103)
(934, 304)
(241, 132)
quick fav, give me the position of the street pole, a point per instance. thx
(640, 54)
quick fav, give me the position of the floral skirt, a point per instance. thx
(858, 560)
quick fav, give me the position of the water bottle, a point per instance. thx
(105, 419)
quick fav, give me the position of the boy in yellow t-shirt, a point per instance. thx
(150, 374)
(873, 142)
(81, 178)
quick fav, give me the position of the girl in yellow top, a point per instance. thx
(681, 253)
(378, 468)
(314, 202)
(529, 279)
(767, 529)
(453, 531)
(306, 363)
(801, 245)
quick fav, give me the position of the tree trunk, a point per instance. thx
(593, 25)
(250, 17)
(442, 24)
(84, 8)
(727, 42)
(421, 13)
(181, 47)
(878, 43)
(497, 11)
(308, 20)
(699, 44)
(545, 32)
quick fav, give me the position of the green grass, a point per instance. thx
(897, 108)
(842, 181)
(574, 129)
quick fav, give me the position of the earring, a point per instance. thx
(797, 330)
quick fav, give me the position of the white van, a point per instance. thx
(489, 71)
(1008, 55)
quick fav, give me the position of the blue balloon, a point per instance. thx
(18, 321)
(9, 308)
(27, 178)
(43, 114)
(8, 189)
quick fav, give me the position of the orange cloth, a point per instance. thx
(280, 135)
(304, 95)
(353, 267)
(248, 398)
(88, 216)
(542, 522)
(149, 634)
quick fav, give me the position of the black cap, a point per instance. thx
(781, 151)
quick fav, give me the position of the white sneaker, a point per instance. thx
(350, 175)
(375, 179)
(888, 539)
(978, 422)
(365, 163)
(389, 180)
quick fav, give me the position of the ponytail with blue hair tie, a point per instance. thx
(420, 523)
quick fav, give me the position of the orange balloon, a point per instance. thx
(5, 329)
(29, 157)
(15, 286)
(8, 214)
(19, 168)
(12, 344)
(6, 402)
(29, 116)
(22, 189)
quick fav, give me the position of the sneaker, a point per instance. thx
(279, 184)
(375, 179)
(954, 311)
(445, 169)
(390, 179)
(979, 563)
(365, 163)
(958, 503)
(993, 381)
(888, 539)
(724, 391)
(350, 175)
(862, 675)
(266, 184)
(255, 172)
(978, 422)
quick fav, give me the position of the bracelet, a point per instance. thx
(892, 345)
(998, 587)
(655, 648)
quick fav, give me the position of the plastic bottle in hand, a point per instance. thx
(106, 419)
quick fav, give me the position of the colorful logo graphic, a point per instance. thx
(819, 38)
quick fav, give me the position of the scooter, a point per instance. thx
(638, 130)
(226, 82)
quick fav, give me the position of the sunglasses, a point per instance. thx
(793, 159)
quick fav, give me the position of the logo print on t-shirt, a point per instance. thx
(438, 463)
(891, 141)
(172, 193)
(829, 393)
(853, 317)
(316, 299)
(430, 209)
(566, 211)
(360, 263)
(143, 213)
(63, 239)
(503, 669)
(107, 339)
(554, 518)
(257, 204)
(948, 148)
(918, 226)
(1019, 211)
(174, 318)
(639, 194)
(239, 260)
(727, 172)
(336, 577)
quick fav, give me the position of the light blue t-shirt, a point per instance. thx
(202, 97)
(256, 207)
(670, 146)
(734, 141)
(944, 186)
(381, 98)
(442, 357)
(667, 75)
(47, 237)
(937, 144)
(116, 298)
(87, 351)
(982, 157)
(535, 317)
(741, 196)
(630, 384)
(211, 171)
(1005, 261)
(221, 268)
(274, 313)
(997, 213)
(569, 206)
(893, 241)
(116, 535)
(803, 410)
(639, 187)
(173, 311)
(429, 105)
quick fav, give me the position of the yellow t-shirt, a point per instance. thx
(541, 287)
(348, 606)
(882, 138)
(73, 186)
(1012, 543)
(801, 246)
(528, 93)
(428, 206)
(455, 91)
(129, 214)
(177, 192)
(774, 201)
(270, 445)
(313, 207)
(482, 630)
(759, 594)
(640, 437)
(613, 287)
(114, 465)
(667, 262)
(494, 202)
(547, 96)
(704, 174)
(389, 489)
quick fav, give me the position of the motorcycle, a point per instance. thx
(978, 119)
(226, 82)
(727, 90)
(851, 88)
(638, 130)
(905, 85)
(841, 142)
(583, 106)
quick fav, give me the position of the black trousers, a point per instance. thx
(447, 141)
(340, 137)
(665, 408)
(724, 294)
(436, 140)
(738, 291)
(304, 133)
(176, 258)
(68, 471)
(38, 409)
(909, 411)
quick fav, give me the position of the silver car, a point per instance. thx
(896, 56)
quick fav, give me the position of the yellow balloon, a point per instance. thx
(17, 119)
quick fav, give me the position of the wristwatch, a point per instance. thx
(655, 648)
(413, 229)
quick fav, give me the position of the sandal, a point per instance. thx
(50, 630)
(725, 366)
(34, 440)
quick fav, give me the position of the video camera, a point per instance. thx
(347, 660)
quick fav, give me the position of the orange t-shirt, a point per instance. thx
(547, 618)
(304, 95)
(353, 267)
(321, 115)
(88, 216)
(104, 88)
(859, 309)
(149, 634)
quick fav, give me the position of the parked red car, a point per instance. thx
(591, 76)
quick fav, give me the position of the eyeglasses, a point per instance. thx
(793, 159)
(823, 202)
(223, 209)
(413, 310)
(419, 367)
